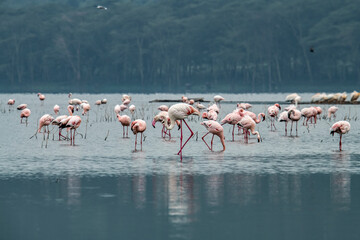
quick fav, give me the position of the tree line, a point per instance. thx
(175, 46)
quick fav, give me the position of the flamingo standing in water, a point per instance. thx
(56, 109)
(25, 114)
(45, 121)
(41, 96)
(132, 109)
(284, 118)
(248, 123)
(71, 122)
(57, 120)
(211, 115)
(331, 111)
(294, 115)
(340, 127)
(125, 122)
(21, 106)
(273, 111)
(163, 108)
(160, 117)
(216, 129)
(233, 118)
(138, 126)
(218, 98)
(11, 102)
(180, 111)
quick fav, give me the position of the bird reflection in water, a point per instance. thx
(340, 182)
(74, 190)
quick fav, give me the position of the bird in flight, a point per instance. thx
(101, 7)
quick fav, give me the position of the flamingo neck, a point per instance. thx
(70, 112)
(169, 123)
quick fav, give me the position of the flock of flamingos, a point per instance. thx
(176, 115)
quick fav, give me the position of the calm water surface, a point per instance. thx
(286, 187)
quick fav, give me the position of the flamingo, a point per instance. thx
(273, 111)
(21, 106)
(216, 129)
(294, 115)
(294, 98)
(248, 123)
(25, 114)
(123, 107)
(331, 111)
(218, 98)
(98, 102)
(71, 122)
(307, 113)
(184, 99)
(56, 109)
(244, 106)
(117, 109)
(41, 96)
(160, 117)
(340, 127)
(191, 101)
(124, 97)
(180, 111)
(163, 108)
(126, 102)
(86, 107)
(199, 106)
(211, 115)
(125, 122)
(284, 118)
(104, 101)
(57, 121)
(11, 102)
(132, 109)
(257, 118)
(319, 111)
(214, 107)
(138, 126)
(233, 118)
(45, 121)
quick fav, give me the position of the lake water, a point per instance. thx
(285, 187)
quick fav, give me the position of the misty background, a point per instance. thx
(179, 45)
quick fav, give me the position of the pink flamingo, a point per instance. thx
(340, 127)
(138, 126)
(123, 107)
(125, 122)
(273, 111)
(56, 109)
(126, 102)
(307, 113)
(319, 111)
(294, 115)
(21, 106)
(244, 106)
(184, 99)
(191, 101)
(284, 118)
(72, 123)
(41, 96)
(125, 97)
(132, 109)
(86, 108)
(216, 129)
(331, 111)
(233, 118)
(11, 102)
(163, 108)
(180, 111)
(160, 117)
(248, 123)
(117, 109)
(61, 119)
(214, 107)
(25, 114)
(45, 121)
(218, 98)
(211, 115)
(98, 102)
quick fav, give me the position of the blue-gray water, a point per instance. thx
(282, 188)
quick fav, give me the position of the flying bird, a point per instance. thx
(101, 7)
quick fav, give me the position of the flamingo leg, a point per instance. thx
(181, 137)
(169, 135)
(135, 140)
(296, 128)
(291, 127)
(141, 141)
(340, 142)
(123, 131)
(212, 140)
(74, 137)
(233, 132)
(191, 134)
(285, 128)
(71, 137)
(127, 131)
(205, 141)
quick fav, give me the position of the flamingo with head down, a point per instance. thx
(216, 129)
(138, 126)
(340, 127)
